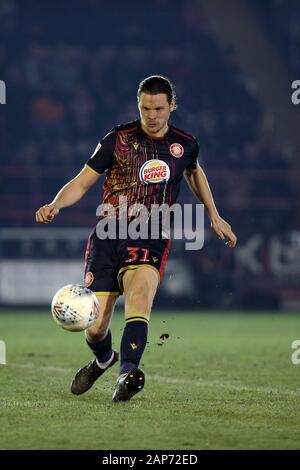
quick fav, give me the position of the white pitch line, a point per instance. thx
(176, 381)
(227, 385)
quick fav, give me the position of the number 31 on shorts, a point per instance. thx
(137, 254)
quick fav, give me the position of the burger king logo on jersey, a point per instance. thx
(154, 171)
(176, 150)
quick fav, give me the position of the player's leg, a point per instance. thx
(140, 286)
(99, 340)
(100, 277)
(98, 336)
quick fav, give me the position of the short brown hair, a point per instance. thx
(156, 84)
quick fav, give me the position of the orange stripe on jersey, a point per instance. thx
(87, 251)
(164, 259)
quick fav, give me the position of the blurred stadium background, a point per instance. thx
(71, 70)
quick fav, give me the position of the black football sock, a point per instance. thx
(102, 349)
(133, 343)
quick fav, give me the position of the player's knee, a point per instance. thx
(96, 333)
(138, 300)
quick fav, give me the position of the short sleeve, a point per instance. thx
(194, 157)
(103, 156)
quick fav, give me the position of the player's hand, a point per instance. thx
(223, 230)
(46, 214)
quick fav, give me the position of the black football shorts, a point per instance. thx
(107, 260)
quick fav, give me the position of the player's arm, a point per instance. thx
(72, 192)
(69, 194)
(198, 184)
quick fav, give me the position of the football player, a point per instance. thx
(143, 161)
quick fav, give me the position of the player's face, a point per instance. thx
(155, 112)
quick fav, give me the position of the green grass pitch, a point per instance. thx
(220, 381)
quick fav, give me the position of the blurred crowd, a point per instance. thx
(72, 71)
(281, 19)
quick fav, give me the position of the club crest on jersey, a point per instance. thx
(176, 150)
(154, 171)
